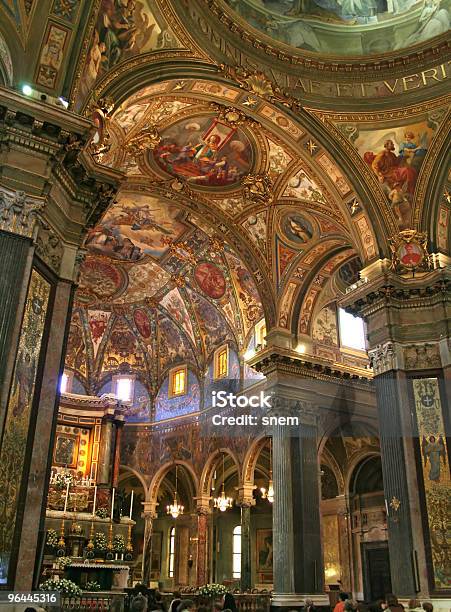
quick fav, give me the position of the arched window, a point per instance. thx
(236, 568)
(171, 551)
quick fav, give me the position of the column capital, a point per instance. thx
(19, 212)
(203, 506)
(245, 497)
(149, 510)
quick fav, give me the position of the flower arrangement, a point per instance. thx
(119, 543)
(64, 586)
(102, 513)
(62, 479)
(212, 590)
(52, 538)
(63, 562)
(92, 585)
(100, 541)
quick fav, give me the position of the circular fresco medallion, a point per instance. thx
(100, 281)
(142, 322)
(210, 279)
(296, 228)
(205, 152)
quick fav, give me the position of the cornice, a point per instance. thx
(289, 361)
(284, 56)
(391, 289)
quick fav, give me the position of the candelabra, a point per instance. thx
(110, 552)
(129, 548)
(90, 545)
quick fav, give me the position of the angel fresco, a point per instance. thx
(433, 450)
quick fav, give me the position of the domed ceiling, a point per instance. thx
(345, 27)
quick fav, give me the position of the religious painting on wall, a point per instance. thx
(264, 555)
(18, 414)
(331, 546)
(436, 476)
(66, 449)
(395, 155)
(205, 152)
(210, 279)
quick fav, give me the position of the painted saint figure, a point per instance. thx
(434, 450)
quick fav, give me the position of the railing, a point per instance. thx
(120, 602)
(104, 602)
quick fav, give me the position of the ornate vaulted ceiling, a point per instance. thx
(268, 151)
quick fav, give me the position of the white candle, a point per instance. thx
(95, 499)
(131, 505)
(67, 496)
(112, 504)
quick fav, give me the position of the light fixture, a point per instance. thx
(175, 509)
(269, 494)
(27, 90)
(222, 502)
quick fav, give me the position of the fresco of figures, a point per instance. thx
(124, 28)
(205, 152)
(320, 25)
(396, 155)
(134, 227)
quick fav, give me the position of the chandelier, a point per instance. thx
(269, 493)
(175, 509)
(222, 502)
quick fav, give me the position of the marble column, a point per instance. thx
(203, 512)
(246, 500)
(149, 514)
(104, 473)
(297, 552)
(408, 329)
(117, 452)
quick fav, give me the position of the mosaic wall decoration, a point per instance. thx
(436, 476)
(18, 414)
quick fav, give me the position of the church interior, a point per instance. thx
(235, 200)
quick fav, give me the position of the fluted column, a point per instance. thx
(149, 514)
(246, 501)
(283, 526)
(104, 473)
(203, 512)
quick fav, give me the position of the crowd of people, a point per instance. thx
(390, 604)
(150, 600)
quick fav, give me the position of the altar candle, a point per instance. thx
(67, 496)
(95, 499)
(131, 505)
(112, 504)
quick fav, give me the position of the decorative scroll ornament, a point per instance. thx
(18, 213)
(259, 84)
(49, 247)
(233, 116)
(149, 138)
(257, 188)
(409, 251)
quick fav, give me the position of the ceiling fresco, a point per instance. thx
(346, 27)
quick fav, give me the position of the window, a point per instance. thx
(260, 333)
(177, 382)
(124, 388)
(171, 552)
(64, 382)
(352, 330)
(236, 544)
(222, 362)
